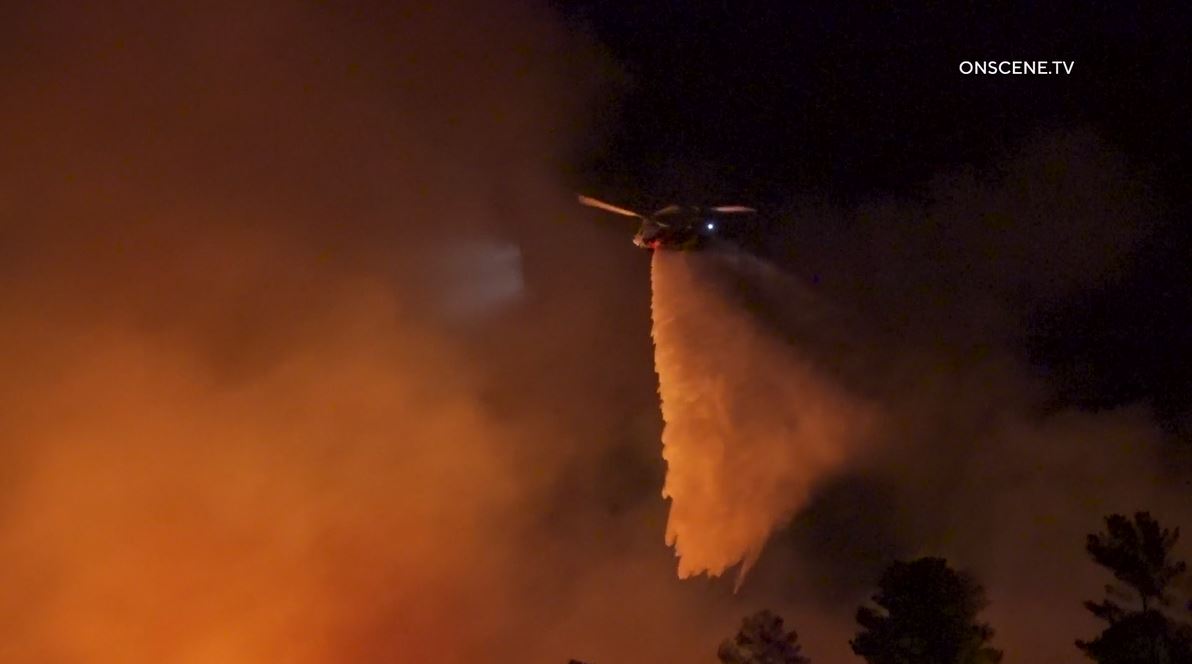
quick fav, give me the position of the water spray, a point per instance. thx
(751, 425)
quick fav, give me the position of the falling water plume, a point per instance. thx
(751, 423)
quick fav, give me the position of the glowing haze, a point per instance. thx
(237, 242)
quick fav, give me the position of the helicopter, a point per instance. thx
(674, 227)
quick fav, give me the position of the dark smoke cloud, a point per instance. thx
(975, 461)
(967, 259)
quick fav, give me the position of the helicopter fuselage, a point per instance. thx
(682, 229)
(674, 226)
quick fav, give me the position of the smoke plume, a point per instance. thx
(973, 457)
(258, 262)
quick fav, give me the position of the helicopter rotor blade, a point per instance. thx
(607, 207)
(733, 209)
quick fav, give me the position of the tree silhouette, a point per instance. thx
(762, 640)
(926, 614)
(1138, 553)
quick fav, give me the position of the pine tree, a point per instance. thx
(1142, 626)
(762, 640)
(926, 614)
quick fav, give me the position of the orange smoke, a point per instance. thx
(165, 514)
(234, 427)
(751, 426)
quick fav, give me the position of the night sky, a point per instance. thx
(850, 102)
